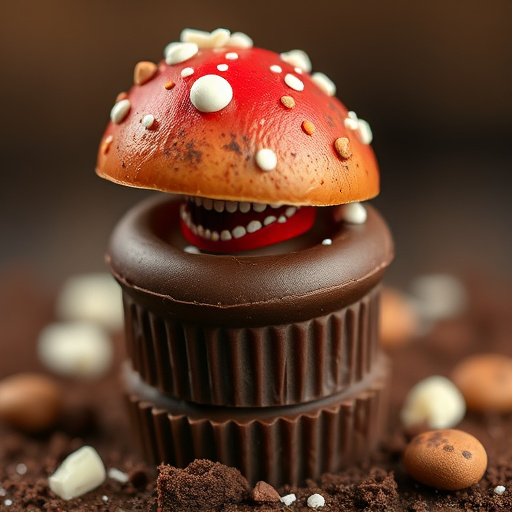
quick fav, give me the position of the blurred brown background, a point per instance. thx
(434, 79)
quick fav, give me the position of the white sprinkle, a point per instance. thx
(225, 235)
(3, 492)
(94, 297)
(435, 401)
(294, 82)
(288, 499)
(191, 249)
(81, 472)
(231, 56)
(316, 501)
(80, 350)
(21, 469)
(239, 232)
(215, 39)
(254, 226)
(244, 206)
(222, 67)
(240, 40)
(180, 52)
(354, 213)
(325, 83)
(269, 220)
(266, 159)
(187, 72)
(120, 111)
(8, 503)
(104, 498)
(211, 93)
(499, 490)
(276, 69)
(298, 58)
(118, 475)
(327, 241)
(148, 120)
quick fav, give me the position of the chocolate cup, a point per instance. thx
(295, 322)
(279, 445)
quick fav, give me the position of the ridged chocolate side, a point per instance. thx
(254, 366)
(287, 447)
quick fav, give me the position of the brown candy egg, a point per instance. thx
(446, 459)
(29, 401)
(485, 380)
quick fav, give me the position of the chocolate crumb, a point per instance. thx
(265, 493)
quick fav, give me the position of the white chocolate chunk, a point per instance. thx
(81, 472)
(297, 58)
(325, 83)
(92, 297)
(266, 159)
(294, 82)
(354, 213)
(240, 40)
(215, 39)
(120, 111)
(316, 501)
(288, 499)
(211, 93)
(180, 52)
(435, 401)
(75, 349)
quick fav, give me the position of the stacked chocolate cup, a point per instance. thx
(267, 361)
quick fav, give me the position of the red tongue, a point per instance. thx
(295, 225)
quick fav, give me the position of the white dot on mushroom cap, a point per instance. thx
(294, 82)
(148, 120)
(187, 72)
(266, 159)
(222, 67)
(180, 52)
(219, 37)
(239, 40)
(211, 93)
(231, 55)
(325, 83)
(297, 58)
(276, 69)
(120, 111)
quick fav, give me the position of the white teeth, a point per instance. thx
(259, 207)
(282, 219)
(200, 231)
(253, 226)
(290, 211)
(239, 232)
(275, 205)
(207, 203)
(244, 206)
(215, 236)
(225, 235)
(231, 206)
(218, 206)
(269, 220)
(199, 201)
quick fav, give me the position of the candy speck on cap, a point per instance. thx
(342, 147)
(276, 69)
(287, 101)
(216, 39)
(231, 56)
(308, 127)
(120, 111)
(353, 213)
(148, 120)
(266, 159)
(187, 72)
(169, 85)
(144, 71)
(297, 58)
(180, 52)
(121, 96)
(316, 501)
(105, 147)
(81, 472)
(211, 93)
(294, 82)
(240, 40)
(222, 67)
(325, 83)
(288, 499)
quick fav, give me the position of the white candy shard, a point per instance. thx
(294, 82)
(316, 501)
(435, 401)
(500, 490)
(325, 83)
(76, 349)
(215, 39)
(297, 58)
(180, 52)
(120, 111)
(91, 297)
(211, 93)
(288, 499)
(240, 40)
(118, 475)
(81, 472)
(354, 213)
(266, 159)
(327, 241)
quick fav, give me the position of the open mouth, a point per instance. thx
(231, 226)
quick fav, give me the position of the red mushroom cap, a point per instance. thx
(238, 124)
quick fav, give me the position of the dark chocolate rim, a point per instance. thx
(245, 290)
